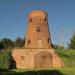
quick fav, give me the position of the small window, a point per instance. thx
(30, 19)
(22, 57)
(45, 19)
(48, 40)
(38, 30)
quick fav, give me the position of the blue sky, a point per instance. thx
(61, 18)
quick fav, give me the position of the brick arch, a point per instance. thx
(43, 59)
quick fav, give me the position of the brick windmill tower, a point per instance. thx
(38, 33)
(38, 52)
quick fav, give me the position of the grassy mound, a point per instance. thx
(68, 57)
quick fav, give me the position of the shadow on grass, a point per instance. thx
(40, 72)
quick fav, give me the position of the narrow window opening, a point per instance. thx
(38, 30)
(45, 19)
(30, 19)
(48, 40)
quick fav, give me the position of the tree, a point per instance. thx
(19, 42)
(5, 60)
(56, 46)
(7, 43)
(71, 45)
(1, 46)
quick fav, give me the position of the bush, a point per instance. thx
(19, 42)
(1, 45)
(5, 60)
(71, 45)
(7, 43)
(55, 46)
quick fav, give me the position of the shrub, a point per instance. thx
(71, 45)
(5, 60)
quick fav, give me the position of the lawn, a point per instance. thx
(63, 71)
(68, 57)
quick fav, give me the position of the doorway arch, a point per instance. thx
(43, 60)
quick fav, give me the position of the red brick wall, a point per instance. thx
(37, 20)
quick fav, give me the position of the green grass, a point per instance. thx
(63, 71)
(68, 57)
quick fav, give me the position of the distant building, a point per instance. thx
(38, 52)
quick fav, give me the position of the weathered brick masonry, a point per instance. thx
(38, 52)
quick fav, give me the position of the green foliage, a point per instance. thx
(55, 46)
(5, 60)
(19, 42)
(1, 46)
(6, 43)
(71, 45)
(68, 57)
(63, 71)
(37, 72)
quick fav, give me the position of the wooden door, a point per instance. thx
(43, 60)
(39, 43)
